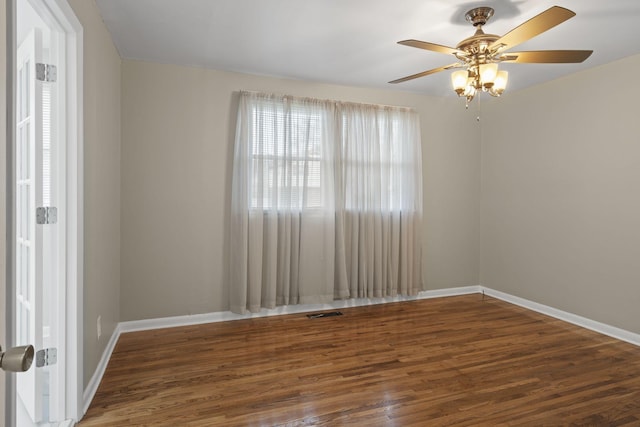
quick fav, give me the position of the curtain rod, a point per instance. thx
(327, 100)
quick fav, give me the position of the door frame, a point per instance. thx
(62, 16)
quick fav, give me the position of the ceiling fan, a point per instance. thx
(481, 53)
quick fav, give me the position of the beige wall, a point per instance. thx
(177, 144)
(561, 194)
(101, 183)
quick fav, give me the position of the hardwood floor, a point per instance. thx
(455, 361)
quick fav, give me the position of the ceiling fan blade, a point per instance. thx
(538, 24)
(548, 56)
(426, 73)
(431, 46)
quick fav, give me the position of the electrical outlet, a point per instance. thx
(99, 326)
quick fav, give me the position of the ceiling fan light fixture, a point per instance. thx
(481, 53)
(470, 91)
(500, 83)
(488, 73)
(485, 78)
(459, 81)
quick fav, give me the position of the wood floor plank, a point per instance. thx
(462, 361)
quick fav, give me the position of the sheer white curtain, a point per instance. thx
(326, 202)
(379, 203)
(282, 213)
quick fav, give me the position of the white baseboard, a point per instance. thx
(92, 387)
(223, 316)
(612, 331)
(449, 292)
(169, 322)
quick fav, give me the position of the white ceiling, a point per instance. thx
(353, 42)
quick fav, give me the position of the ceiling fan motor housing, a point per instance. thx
(479, 16)
(476, 45)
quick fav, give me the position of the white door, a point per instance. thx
(46, 267)
(28, 193)
(36, 225)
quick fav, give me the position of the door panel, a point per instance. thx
(4, 233)
(28, 193)
(44, 311)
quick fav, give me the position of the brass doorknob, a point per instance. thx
(17, 359)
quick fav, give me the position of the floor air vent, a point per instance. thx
(319, 315)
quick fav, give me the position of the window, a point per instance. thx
(286, 155)
(326, 202)
(295, 143)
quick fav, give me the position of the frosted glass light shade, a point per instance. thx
(459, 80)
(500, 83)
(470, 91)
(488, 73)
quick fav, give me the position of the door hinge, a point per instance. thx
(46, 215)
(46, 72)
(46, 357)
